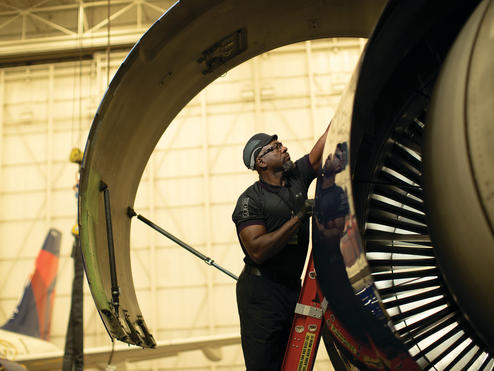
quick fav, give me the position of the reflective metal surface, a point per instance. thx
(364, 332)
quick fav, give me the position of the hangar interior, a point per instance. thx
(56, 60)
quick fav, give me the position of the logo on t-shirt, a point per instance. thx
(245, 207)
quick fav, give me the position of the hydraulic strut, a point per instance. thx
(115, 291)
(131, 213)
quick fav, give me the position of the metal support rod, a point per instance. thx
(115, 291)
(207, 260)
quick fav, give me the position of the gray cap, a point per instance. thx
(254, 145)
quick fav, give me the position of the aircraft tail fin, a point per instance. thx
(34, 311)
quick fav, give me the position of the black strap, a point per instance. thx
(292, 199)
(290, 194)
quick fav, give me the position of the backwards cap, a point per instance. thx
(253, 147)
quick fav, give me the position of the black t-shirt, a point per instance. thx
(272, 206)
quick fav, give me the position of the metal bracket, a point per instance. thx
(309, 311)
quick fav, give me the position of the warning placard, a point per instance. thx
(306, 350)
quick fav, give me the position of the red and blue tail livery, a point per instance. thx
(33, 314)
(23, 338)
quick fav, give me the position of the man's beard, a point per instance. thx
(288, 166)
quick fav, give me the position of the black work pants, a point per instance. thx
(266, 310)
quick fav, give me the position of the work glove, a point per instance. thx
(305, 211)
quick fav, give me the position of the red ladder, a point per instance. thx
(311, 313)
(307, 322)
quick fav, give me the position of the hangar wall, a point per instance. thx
(189, 186)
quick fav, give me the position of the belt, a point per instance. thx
(253, 270)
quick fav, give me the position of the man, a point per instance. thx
(272, 220)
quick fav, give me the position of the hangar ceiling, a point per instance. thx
(33, 31)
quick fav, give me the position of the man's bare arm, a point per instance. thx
(261, 245)
(316, 152)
